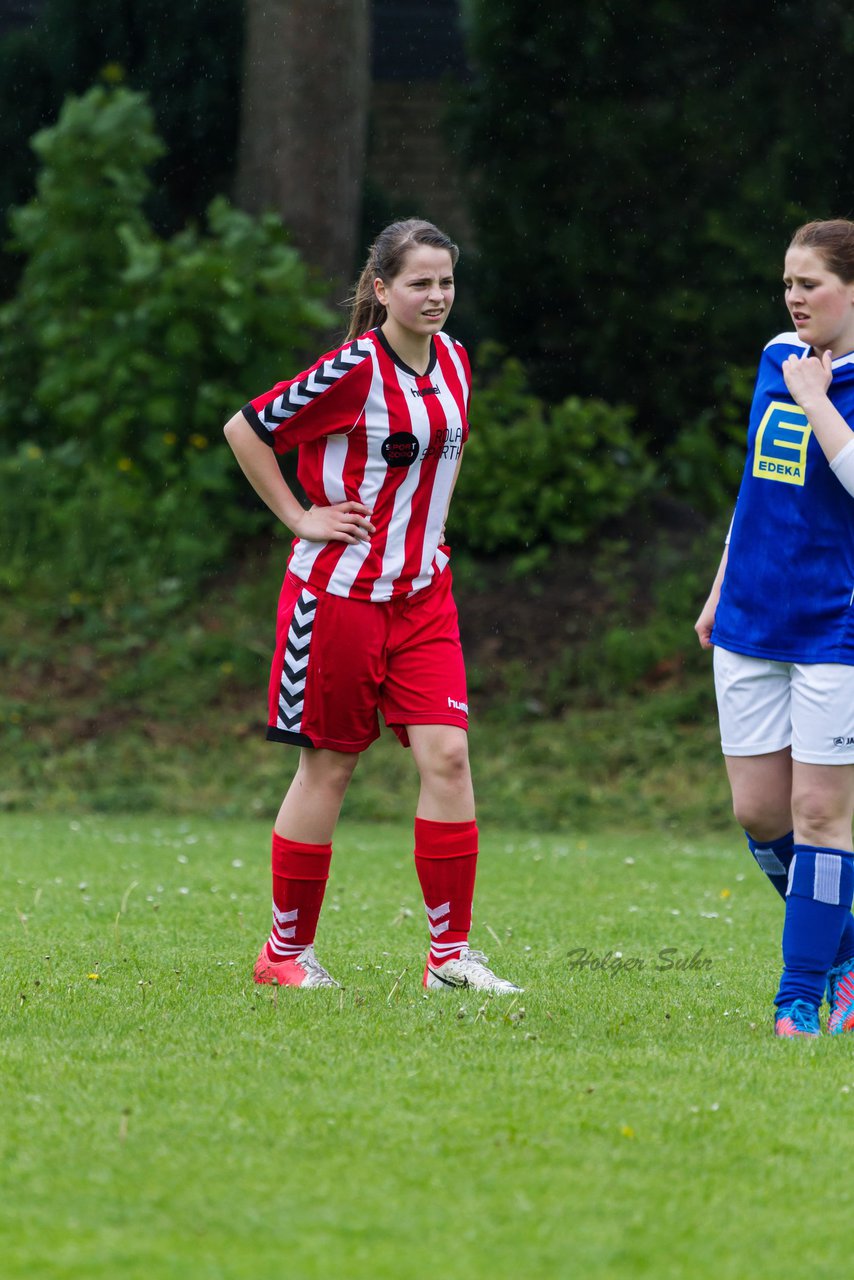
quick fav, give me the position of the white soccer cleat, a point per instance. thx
(471, 970)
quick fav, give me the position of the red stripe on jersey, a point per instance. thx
(336, 470)
(353, 467)
(421, 501)
(454, 362)
(386, 542)
(449, 430)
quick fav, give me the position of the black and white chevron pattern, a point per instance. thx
(318, 381)
(295, 666)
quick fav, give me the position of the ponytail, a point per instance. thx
(366, 310)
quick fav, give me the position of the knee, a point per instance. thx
(448, 762)
(759, 819)
(331, 774)
(817, 820)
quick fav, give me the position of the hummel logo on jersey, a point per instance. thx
(420, 392)
(781, 444)
(400, 449)
(458, 706)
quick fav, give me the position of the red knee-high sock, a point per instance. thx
(446, 862)
(300, 872)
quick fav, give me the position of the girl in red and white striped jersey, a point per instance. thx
(366, 620)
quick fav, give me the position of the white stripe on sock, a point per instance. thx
(828, 874)
(769, 862)
(439, 948)
(282, 917)
(284, 950)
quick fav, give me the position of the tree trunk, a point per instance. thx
(304, 121)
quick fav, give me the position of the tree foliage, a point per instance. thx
(186, 57)
(123, 353)
(636, 173)
(538, 476)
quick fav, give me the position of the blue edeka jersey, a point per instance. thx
(789, 582)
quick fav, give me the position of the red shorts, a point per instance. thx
(339, 662)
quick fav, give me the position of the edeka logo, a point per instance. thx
(781, 444)
(400, 449)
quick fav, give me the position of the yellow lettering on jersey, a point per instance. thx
(781, 444)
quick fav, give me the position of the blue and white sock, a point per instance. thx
(774, 857)
(821, 889)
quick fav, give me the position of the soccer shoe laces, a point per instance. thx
(472, 970)
(798, 1018)
(314, 969)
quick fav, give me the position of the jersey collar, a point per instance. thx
(392, 354)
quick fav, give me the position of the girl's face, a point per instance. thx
(819, 302)
(420, 296)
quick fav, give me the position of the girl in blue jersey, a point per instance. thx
(780, 616)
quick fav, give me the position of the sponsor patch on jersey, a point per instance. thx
(445, 442)
(781, 444)
(400, 449)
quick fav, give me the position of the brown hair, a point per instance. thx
(385, 261)
(833, 239)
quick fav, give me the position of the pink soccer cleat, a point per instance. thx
(304, 970)
(840, 993)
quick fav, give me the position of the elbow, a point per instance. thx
(232, 427)
(842, 467)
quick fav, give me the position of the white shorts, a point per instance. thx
(765, 706)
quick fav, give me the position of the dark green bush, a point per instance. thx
(121, 356)
(703, 465)
(534, 474)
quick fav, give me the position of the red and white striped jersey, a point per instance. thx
(371, 430)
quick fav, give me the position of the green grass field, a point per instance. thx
(164, 1118)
